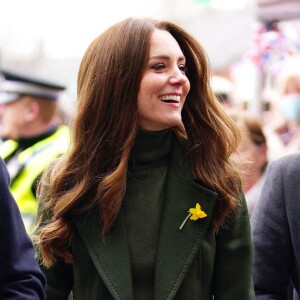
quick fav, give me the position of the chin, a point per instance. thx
(161, 124)
(174, 122)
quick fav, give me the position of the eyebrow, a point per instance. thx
(180, 58)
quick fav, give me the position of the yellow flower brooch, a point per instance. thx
(194, 214)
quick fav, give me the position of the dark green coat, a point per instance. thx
(192, 263)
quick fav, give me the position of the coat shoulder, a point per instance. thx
(288, 165)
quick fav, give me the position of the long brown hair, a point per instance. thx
(94, 170)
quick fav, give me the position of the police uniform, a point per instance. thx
(27, 158)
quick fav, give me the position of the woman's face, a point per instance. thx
(164, 85)
(251, 158)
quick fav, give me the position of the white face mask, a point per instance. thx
(290, 107)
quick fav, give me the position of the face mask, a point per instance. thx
(290, 107)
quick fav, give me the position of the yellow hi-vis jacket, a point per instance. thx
(30, 165)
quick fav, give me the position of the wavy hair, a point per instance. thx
(93, 173)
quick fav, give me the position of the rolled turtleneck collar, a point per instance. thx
(151, 146)
(145, 195)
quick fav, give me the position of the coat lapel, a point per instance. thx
(177, 248)
(109, 253)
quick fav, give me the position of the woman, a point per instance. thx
(146, 204)
(251, 155)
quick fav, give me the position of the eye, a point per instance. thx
(183, 69)
(158, 67)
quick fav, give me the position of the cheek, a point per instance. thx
(143, 105)
(9, 115)
(185, 91)
(6, 115)
(146, 98)
(259, 156)
(147, 90)
(187, 87)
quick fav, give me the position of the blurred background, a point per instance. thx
(247, 41)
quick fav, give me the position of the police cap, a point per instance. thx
(14, 85)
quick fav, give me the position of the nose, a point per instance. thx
(177, 77)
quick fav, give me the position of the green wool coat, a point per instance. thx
(192, 263)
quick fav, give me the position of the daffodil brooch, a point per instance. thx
(194, 214)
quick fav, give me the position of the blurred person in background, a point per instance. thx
(251, 155)
(223, 88)
(146, 204)
(283, 131)
(20, 275)
(32, 136)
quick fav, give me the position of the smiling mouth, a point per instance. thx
(170, 99)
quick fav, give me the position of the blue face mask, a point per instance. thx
(290, 107)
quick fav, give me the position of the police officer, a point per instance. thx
(31, 136)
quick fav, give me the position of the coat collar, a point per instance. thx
(176, 248)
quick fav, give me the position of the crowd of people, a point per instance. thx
(158, 188)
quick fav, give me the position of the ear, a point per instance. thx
(32, 110)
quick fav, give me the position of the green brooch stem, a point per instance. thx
(183, 223)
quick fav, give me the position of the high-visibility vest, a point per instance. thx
(30, 164)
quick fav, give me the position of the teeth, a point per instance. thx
(170, 97)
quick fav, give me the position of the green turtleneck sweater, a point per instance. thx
(143, 205)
